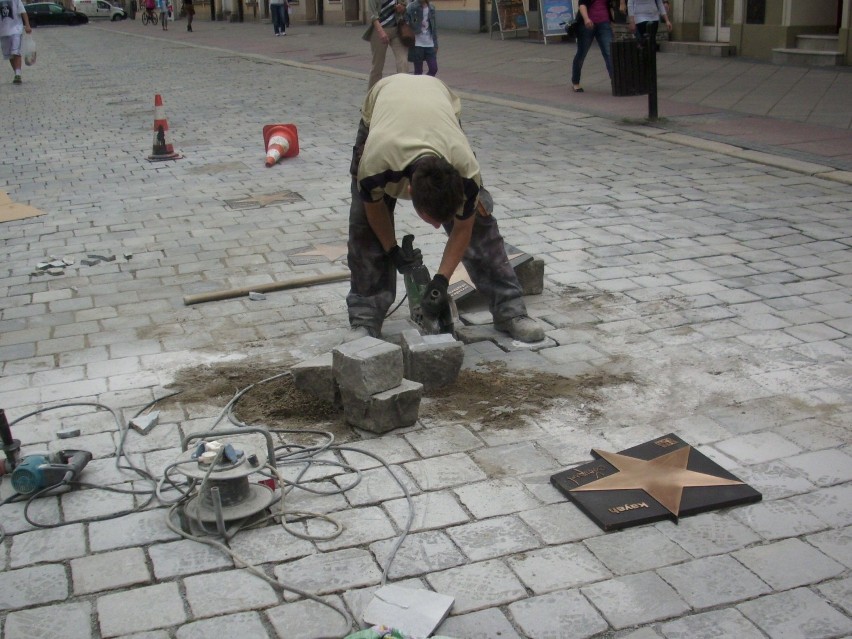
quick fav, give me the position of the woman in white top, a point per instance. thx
(644, 17)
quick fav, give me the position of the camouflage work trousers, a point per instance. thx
(373, 276)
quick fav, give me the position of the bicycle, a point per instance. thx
(148, 16)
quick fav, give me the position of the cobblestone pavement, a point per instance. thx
(716, 288)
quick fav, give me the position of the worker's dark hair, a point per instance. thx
(436, 189)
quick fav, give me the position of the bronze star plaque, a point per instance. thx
(665, 478)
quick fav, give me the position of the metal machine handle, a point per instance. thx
(270, 447)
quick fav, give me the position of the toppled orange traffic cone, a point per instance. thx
(281, 141)
(163, 150)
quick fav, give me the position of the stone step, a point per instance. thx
(801, 57)
(818, 42)
(715, 49)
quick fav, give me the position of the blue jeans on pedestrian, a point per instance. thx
(602, 32)
(277, 17)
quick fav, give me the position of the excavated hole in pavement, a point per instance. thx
(493, 396)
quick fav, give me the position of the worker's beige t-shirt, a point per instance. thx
(411, 116)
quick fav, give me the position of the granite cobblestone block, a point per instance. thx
(367, 366)
(32, 586)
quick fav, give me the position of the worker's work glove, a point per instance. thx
(407, 258)
(436, 300)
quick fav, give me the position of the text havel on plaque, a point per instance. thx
(660, 479)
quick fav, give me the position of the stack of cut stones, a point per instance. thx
(380, 384)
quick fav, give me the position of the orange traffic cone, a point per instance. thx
(281, 141)
(162, 149)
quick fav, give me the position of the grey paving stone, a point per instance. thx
(419, 553)
(635, 550)
(648, 632)
(126, 612)
(839, 592)
(713, 581)
(394, 450)
(556, 615)
(557, 567)
(132, 530)
(709, 534)
(269, 544)
(226, 592)
(443, 440)
(484, 624)
(245, 624)
(796, 613)
(478, 586)
(69, 621)
(186, 557)
(788, 564)
(560, 523)
(32, 586)
(377, 485)
(493, 537)
(823, 467)
(445, 471)
(815, 433)
(49, 544)
(709, 625)
(432, 510)
(837, 544)
(496, 497)
(757, 448)
(774, 480)
(832, 505)
(779, 519)
(307, 619)
(330, 572)
(109, 570)
(635, 599)
(360, 526)
(513, 459)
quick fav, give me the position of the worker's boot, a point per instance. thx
(522, 328)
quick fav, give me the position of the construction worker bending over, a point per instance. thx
(410, 145)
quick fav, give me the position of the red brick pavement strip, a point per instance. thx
(537, 74)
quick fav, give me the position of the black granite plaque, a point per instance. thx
(661, 479)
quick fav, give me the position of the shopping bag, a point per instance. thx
(28, 49)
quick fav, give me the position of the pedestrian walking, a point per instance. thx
(14, 22)
(596, 25)
(164, 13)
(420, 14)
(644, 17)
(410, 145)
(279, 20)
(382, 33)
(134, 7)
(189, 9)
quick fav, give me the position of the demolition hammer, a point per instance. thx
(416, 283)
(38, 470)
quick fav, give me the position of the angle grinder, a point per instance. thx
(39, 471)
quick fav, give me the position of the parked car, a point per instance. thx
(100, 9)
(41, 13)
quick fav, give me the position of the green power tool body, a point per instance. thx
(416, 282)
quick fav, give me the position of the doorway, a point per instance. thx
(716, 18)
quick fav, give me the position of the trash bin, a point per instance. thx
(629, 68)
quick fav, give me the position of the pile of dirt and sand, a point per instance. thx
(491, 396)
